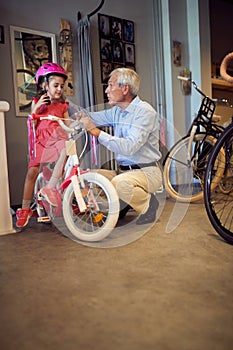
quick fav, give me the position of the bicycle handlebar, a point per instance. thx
(216, 100)
(76, 129)
(60, 122)
(180, 77)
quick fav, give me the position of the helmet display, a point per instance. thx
(50, 68)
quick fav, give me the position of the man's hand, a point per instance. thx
(88, 124)
(85, 121)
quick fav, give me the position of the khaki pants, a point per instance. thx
(134, 186)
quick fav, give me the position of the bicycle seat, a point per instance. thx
(216, 118)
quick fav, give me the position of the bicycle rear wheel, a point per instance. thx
(184, 180)
(102, 210)
(219, 201)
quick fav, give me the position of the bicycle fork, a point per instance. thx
(192, 134)
(73, 172)
(78, 194)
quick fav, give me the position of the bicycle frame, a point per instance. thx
(185, 163)
(73, 172)
(204, 119)
(72, 169)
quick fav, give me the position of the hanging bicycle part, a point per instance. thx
(26, 86)
(65, 48)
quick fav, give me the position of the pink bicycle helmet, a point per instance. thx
(50, 68)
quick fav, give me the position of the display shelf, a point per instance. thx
(221, 84)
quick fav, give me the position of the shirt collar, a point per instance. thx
(131, 107)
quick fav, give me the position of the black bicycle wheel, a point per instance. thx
(219, 201)
(26, 88)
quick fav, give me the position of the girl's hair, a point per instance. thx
(127, 76)
(41, 89)
(46, 79)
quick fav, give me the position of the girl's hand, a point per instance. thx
(45, 99)
(41, 103)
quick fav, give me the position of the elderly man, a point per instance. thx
(135, 144)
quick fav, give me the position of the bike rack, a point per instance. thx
(5, 210)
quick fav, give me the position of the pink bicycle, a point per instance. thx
(88, 201)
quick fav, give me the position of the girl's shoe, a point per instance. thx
(23, 215)
(51, 195)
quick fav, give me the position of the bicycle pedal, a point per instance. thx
(44, 219)
(98, 217)
(160, 189)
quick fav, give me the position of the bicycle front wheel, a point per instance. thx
(184, 180)
(102, 208)
(219, 201)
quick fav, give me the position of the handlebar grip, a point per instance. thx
(50, 117)
(41, 117)
(34, 116)
(183, 78)
(59, 120)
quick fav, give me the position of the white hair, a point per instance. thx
(127, 76)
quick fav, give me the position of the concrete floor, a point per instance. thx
(165, 291)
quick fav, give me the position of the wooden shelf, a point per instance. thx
(221, 84)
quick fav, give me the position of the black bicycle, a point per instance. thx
(185, 164)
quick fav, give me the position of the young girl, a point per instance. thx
(49, 144)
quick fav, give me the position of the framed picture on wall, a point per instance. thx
(117, 65)
(30, 49)
(128, 31)
(116, 45)
(116, 28)
(117, 51)
(105, 49)
(104, 26)
(104, 93)
(106, 68)
(2, 38)
(129, 54)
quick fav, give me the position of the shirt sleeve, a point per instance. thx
(134, 135)
(103, 118)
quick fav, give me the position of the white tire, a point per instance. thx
(92, 226)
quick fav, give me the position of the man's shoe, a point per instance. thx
(51, 195)
(23, 215)
(124, 208)
(150, 215)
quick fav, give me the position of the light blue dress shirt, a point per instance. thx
(136, 132)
